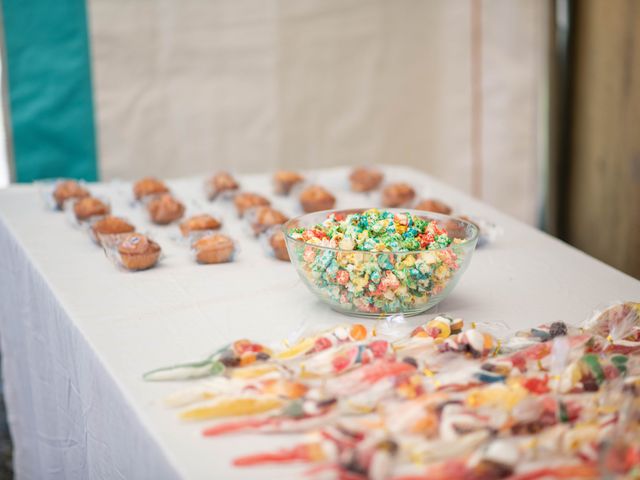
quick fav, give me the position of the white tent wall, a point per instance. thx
(191, 86)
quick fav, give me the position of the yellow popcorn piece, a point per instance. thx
(360, 282)
(429, 258)
(346, 244)
(441, 272)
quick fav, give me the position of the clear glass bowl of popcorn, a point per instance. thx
(371, 263)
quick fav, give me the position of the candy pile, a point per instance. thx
(378, 261)
(441, 402)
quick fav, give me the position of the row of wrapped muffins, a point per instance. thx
(164, 209)
(312, 198)
(263, 219)
(207, 244)
(315, 198)
(135, 251)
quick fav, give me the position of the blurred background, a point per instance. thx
(530, 105)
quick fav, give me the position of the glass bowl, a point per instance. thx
(372, 283)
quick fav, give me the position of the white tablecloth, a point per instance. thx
(77, 333)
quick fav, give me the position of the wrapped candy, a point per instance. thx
(440, 401)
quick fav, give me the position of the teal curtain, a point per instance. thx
(49, 83)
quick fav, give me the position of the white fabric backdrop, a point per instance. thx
(189, 86)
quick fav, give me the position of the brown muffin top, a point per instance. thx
(137, 244)
(68, 189)
(165, 209)
(215, 241)
(200, 222)
(223, 181)
(88, 207)
(149, 186)
(279, 245)
(269, 216)
(364, 179)
(397, 194)
(245, 200)
(284, 181)
(433, 205)
(112, 225)
(315, 193)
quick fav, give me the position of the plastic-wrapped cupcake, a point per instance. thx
(108, 226)
(88, 207)
(67, 190)
(315, 198)
(138, 252)
(433, 205)
(284, 181)
(221, 183)
(165, 209)
(279, 245)
(246, 200)
(398, 195)
(213, 248)
(149, 186)
(262, 218)
(365, 179)
(199, 223)
(488, 231)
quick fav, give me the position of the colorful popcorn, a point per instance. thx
(378, 261)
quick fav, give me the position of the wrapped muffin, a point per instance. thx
(109, 226)
(88, 207)
(213, 248)
(165, 209)
(138, 252)
(199, 223)
(488, 231)
(398, 195)
(284, 181)
(149, 186)
(67, 190)
(433, 205)
(262, 218)
(246, 200)
(365, 179)
(221, 183)
(315, 198)
(279, 245)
